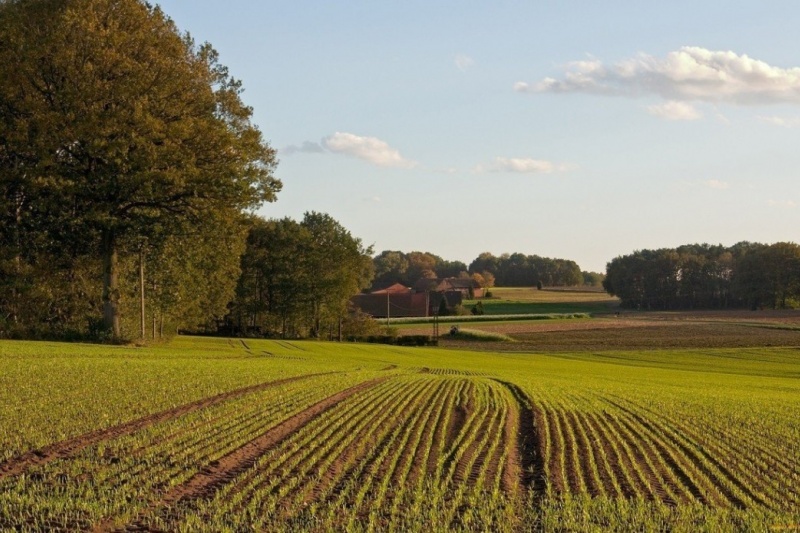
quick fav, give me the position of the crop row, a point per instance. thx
(113, 480)
(613, 447)
(408, 443)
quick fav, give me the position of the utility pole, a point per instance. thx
(141, 290)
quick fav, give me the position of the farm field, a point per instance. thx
(224, 435)
(521, 300)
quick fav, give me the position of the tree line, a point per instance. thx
(506, 270)
(297, 277)
(703, 276)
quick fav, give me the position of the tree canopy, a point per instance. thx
(115, 130)
(298, 277)
(696, 276)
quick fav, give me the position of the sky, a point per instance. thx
(573, 129)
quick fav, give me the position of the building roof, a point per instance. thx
(446, 284)
(395, 288)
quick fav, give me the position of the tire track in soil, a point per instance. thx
(525, 464)
(224, 470)
(71, 447)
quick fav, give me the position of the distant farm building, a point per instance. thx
(396, 300)
(468, 287)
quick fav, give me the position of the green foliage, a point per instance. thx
(593, 279)
(298, 277)
(358, 324)
(520, 270)
(479, 335)
(701, 276)
(443, 310)
(114, 129)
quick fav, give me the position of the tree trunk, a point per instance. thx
(110, 283)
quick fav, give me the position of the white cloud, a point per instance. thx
(786, 204)
(369, 149)
(521, 166)
(784, 122)
(673, 110)
(307, 147)
(691, 73)
(717, 184)
(463, 63)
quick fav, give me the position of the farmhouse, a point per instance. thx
(398, 301)
(468, 287)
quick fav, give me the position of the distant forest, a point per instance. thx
(702, 276)
(506, 270)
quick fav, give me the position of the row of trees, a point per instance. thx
(751, 275)
(507, 270)
(407, 268)
(520, 270)
(122, 144)
(297, 277)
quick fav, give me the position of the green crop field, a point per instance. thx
(529, 300)
(224, 435)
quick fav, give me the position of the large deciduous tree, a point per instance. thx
(115, 126)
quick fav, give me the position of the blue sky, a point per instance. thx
(581, 130)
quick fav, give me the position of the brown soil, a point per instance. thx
(640, 330)
(524, 466)
(69, 448)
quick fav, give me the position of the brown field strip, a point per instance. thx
(70, 447)
(525, 463)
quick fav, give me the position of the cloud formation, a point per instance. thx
(673, 110)
(521, 166)
(307, 147)
(369, 149)
(718, 184)
(463, 62)
(785, 204)
(783, 122)
(689, 74)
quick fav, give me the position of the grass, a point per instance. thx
(478, 335)
(676, 438)
(487, 318)
(524, 300)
